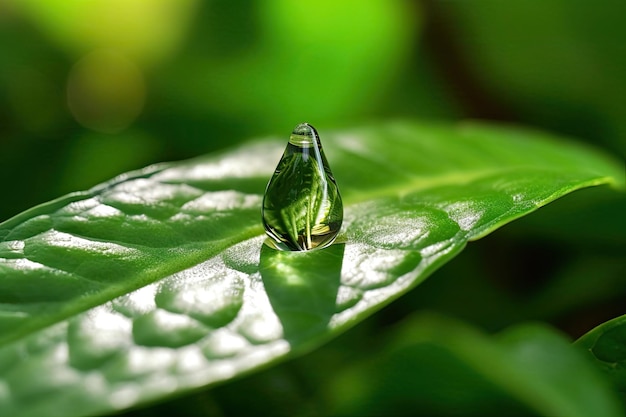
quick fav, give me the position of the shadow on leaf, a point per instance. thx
(302, 288)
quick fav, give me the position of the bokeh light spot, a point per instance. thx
(106, 91)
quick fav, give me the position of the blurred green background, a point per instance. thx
(91, 89)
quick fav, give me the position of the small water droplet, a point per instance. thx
(302, 208)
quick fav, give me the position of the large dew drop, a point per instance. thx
(302, 208)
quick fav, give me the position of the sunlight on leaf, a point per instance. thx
(169, 260)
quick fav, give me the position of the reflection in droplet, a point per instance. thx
(302, 208)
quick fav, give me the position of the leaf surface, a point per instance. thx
(158, 281)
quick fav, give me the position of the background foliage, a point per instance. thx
(92, 89)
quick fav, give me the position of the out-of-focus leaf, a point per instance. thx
(157, 282)
(606, 346)
(438, 366)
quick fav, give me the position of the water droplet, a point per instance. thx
(302, 208)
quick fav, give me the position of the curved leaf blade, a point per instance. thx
(158, 282)
(440, 366)
(606, 344)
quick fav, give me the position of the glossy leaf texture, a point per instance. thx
(606, 346)
(158, 281)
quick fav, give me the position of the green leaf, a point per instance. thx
(439, 366)
(606, 345)
(158, 281)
